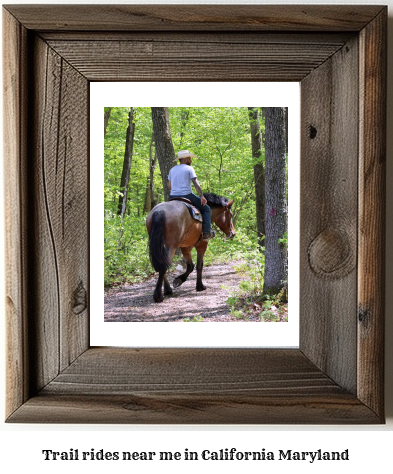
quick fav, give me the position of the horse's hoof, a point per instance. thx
(158, 298)
(176, 283)
(201, 288)
(168, 292)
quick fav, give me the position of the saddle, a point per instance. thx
(194, 212)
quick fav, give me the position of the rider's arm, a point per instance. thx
(169, 185)
(198, 189)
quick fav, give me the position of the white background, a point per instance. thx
(369, 446)
(212, 94)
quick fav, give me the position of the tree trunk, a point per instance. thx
(147, 205)
(276, 256)
(184, 118)
(150, 191)
(153, 164)
(107, 114)
(125, 176)
(157, 198)
(164, 147)
(259, 172)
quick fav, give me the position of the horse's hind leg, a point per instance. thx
(167, 287)
(162, 277)
(186, 251)
(157, 295)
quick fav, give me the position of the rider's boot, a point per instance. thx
(209, 235)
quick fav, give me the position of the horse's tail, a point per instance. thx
(158, 254)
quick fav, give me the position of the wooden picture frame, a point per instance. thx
(338, 54)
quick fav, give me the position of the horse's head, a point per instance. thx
(224, 220)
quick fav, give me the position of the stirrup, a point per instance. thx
(209, 235)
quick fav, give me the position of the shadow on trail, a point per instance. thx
(134, 303)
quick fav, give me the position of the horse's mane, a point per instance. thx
(213, 200)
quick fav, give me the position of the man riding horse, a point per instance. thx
(170, 226)
(179, 182)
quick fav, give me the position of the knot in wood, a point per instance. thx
(363, 315)
(313, 132)
(80, 299)
(330, 254)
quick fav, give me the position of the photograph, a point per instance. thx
(196, 214)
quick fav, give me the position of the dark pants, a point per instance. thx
(205, 210)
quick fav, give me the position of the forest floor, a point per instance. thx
(134, 302)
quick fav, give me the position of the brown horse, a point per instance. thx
(170, 226)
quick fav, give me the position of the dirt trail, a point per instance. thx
(134, 302)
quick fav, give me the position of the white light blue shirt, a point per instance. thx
(180, 177)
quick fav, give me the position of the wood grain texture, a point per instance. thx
(187, 59)
(195, 17)
(201, 37)
(193, 386)
(52, 374)
(159, 370)
(59, 220)
(239, 409)
(329, 216)
(371, 261)
(14, 69)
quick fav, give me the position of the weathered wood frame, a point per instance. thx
(338, 54)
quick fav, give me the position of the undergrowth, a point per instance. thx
(248, 301)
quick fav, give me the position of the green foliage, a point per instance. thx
(195, 319)
(220, 137)
(248, 301)
(236, 313)
(268, 315)
(125, 249)
(114, 147)
(284, 240)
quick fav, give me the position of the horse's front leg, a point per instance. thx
(167, 287)
(186, 251)
(201, 249)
